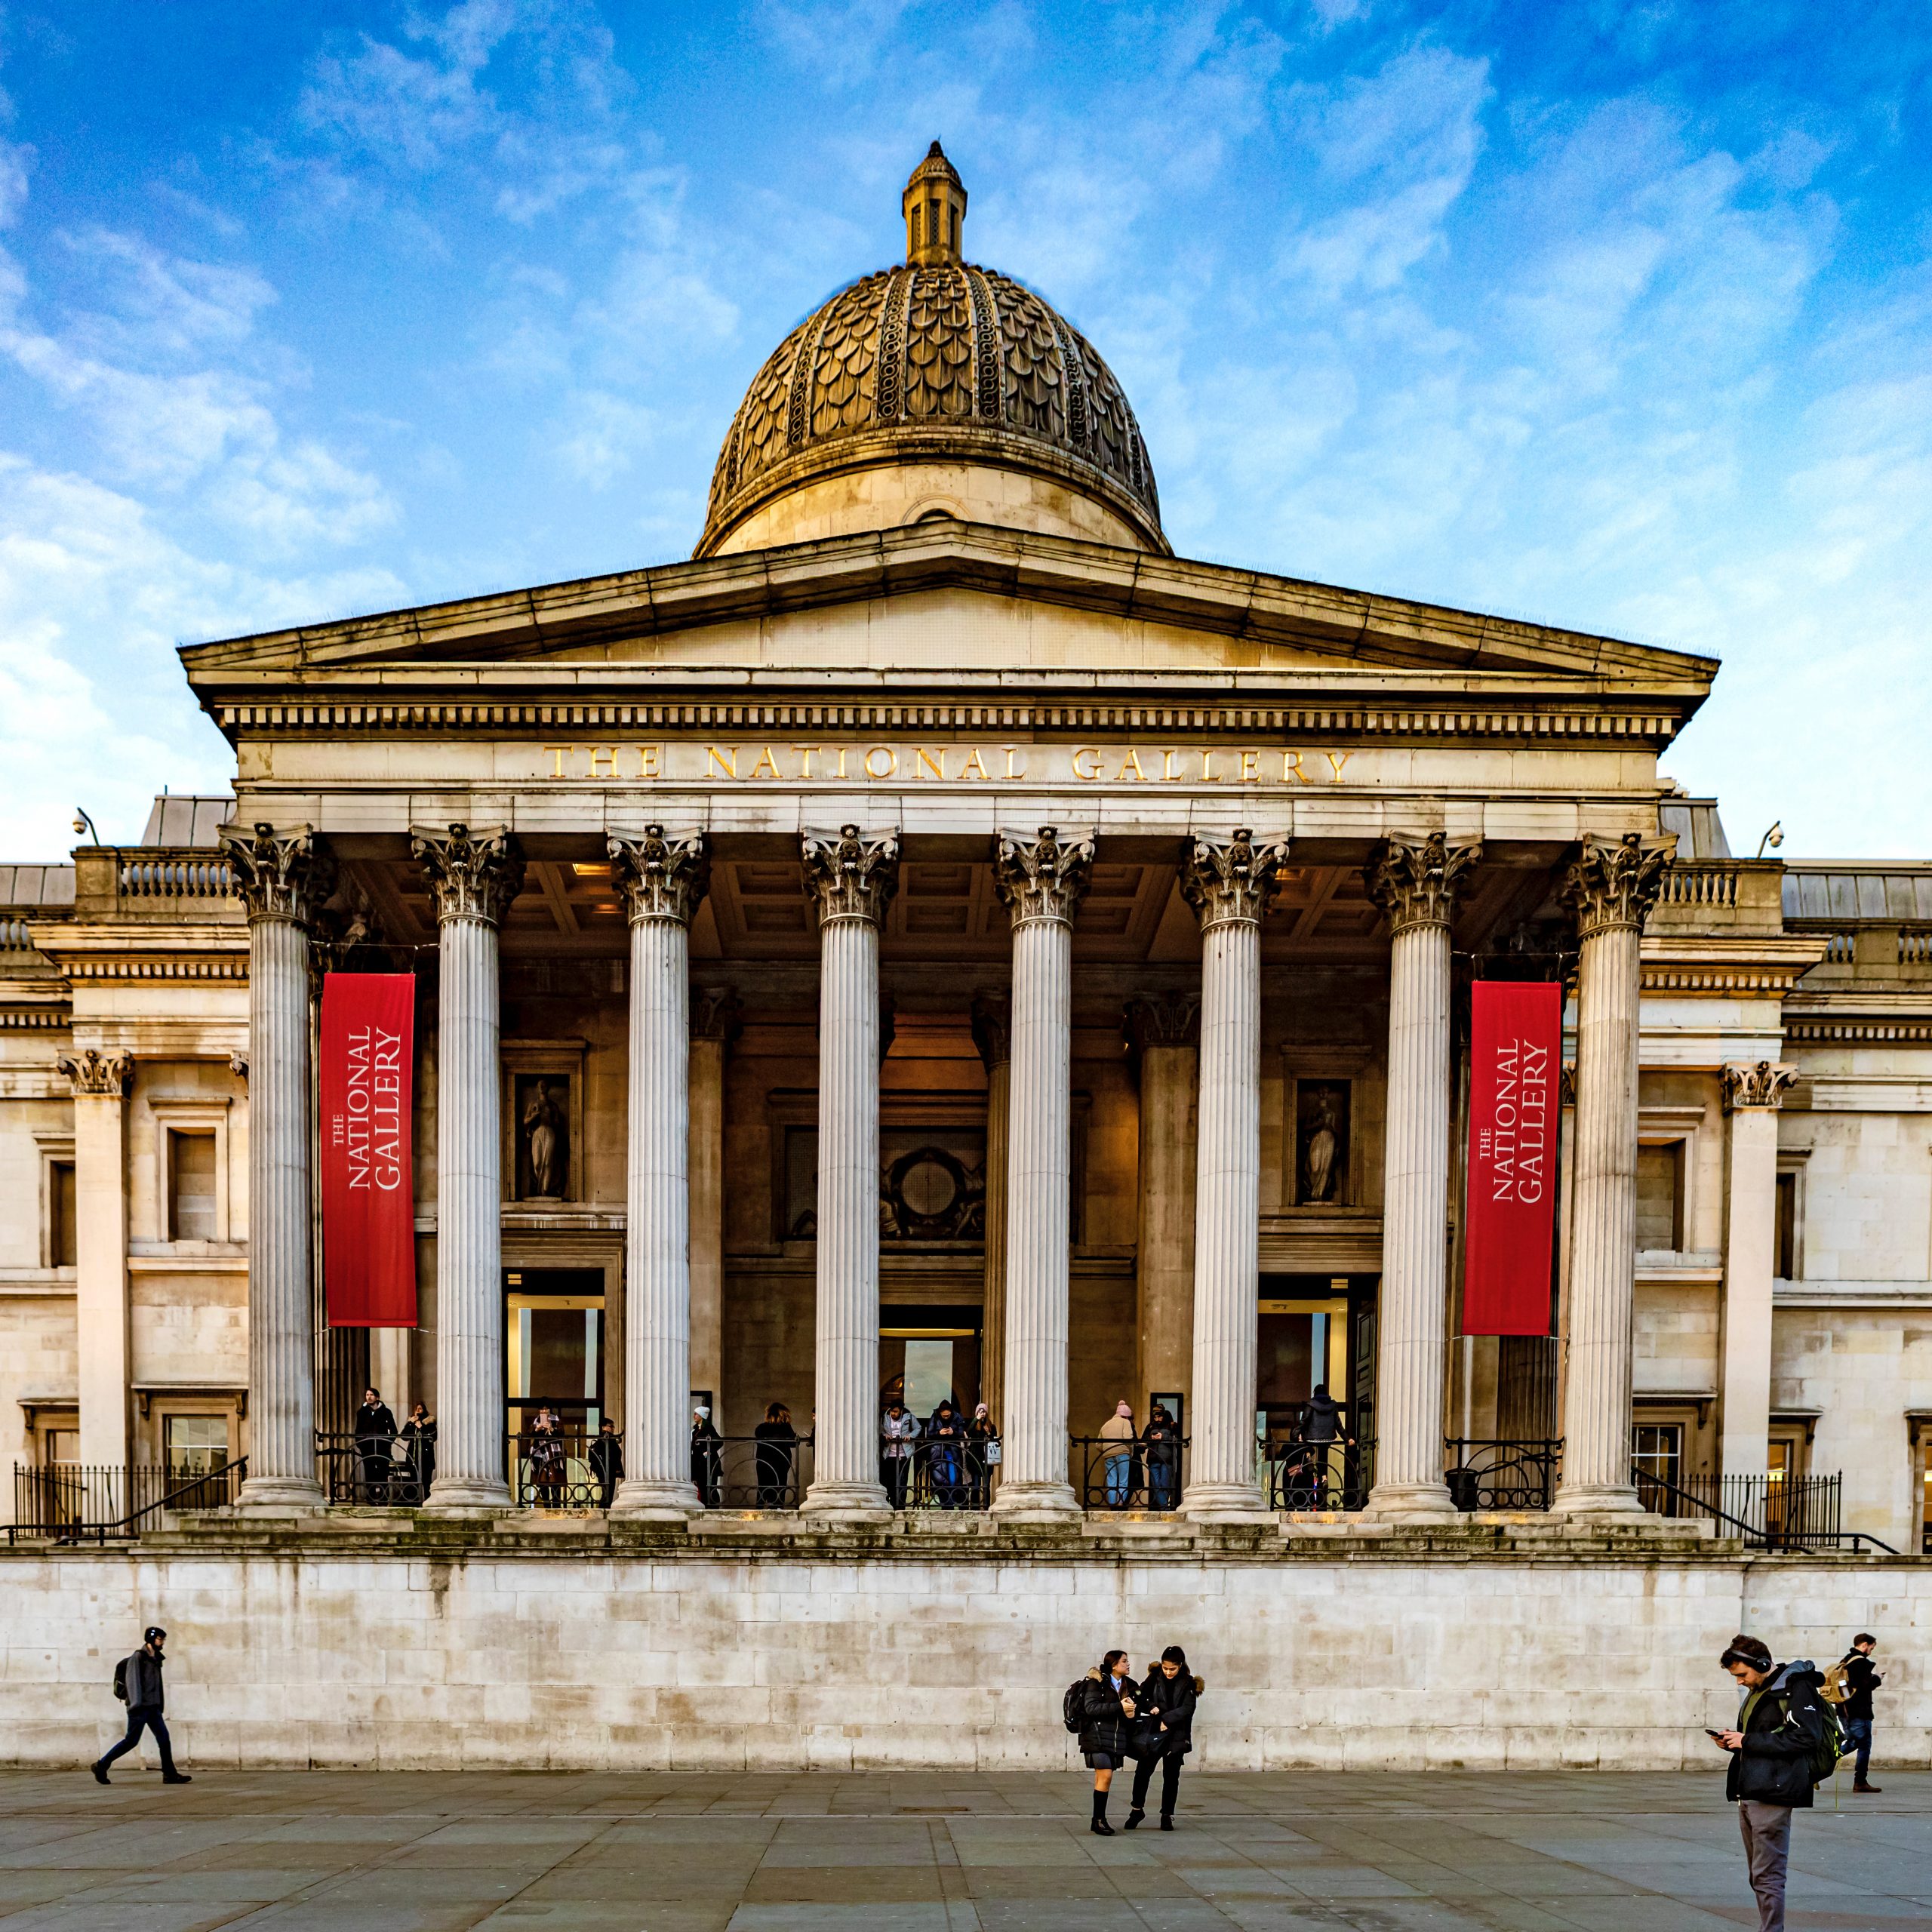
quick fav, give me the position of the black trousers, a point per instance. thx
(1143, 1775)
(140, 1718)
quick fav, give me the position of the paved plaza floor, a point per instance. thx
(931, 1852)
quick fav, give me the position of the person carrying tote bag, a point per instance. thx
(1164, 1728)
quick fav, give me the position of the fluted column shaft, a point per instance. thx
(1228, 881)
(1415, 1240)
(662, 879)
(472, 1419)
(1415, 881)
(473, 877)
(1612, 888)
(281, 877)
(1042, 880)
(851, 878)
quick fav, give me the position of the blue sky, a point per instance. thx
(1614, 316)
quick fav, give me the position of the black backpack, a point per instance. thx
(120, 1680)
(1073, 1706)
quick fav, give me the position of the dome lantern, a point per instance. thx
(934, 205)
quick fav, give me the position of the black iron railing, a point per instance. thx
(1501, 1475)
(373, 1472)
(553, 1470)
(81, 1502)
(1320, 1475)
(753, 1471)
(1108, 1474)
(1773, 1512)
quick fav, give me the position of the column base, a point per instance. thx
(1596, 1499)
(1020, 1501)
(279, 1496)
(846, 1502)
(1409, 1502)
(1225, 1502)
(651, 1500)
(464, 1495)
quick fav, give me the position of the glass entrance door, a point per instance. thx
(553, 1334)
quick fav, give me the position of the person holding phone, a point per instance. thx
(1106, 1730)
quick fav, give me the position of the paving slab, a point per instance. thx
(931, 1852)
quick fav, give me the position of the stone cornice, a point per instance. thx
(1718, 966)
(1405, 655)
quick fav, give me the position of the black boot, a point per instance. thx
(1133, 1818)
(100, 1772)
(1100, 1828)
(1167, 1821)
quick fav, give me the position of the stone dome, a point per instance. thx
(933, 388)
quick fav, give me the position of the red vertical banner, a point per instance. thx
(365, 1080)
(1515, 1048)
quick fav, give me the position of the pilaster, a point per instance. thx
(1164, 1033)
(1752, 1094)
(992, 1033)
(100, 1083)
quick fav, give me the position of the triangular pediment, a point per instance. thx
(946, 604)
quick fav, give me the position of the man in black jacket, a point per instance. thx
(1861, 1680)
(375, 1434)
(1779, 1727)
(607, 1462)
(140, 1677)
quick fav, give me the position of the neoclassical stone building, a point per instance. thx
(936, 941)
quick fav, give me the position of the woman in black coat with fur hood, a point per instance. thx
(1164, 1727)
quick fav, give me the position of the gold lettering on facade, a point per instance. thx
(716, 758)
(975, 765)
(1085, 751)
(602, 751)
(1012, 751)
(556, 759)
(1338, 759)
(651, 761)
(892, 757)
(766, 762)
(934, 760)
(1209, 776)
(1169, 775)
(805, 760)
(1248, 774)
(1291, 768)
(1131, 763)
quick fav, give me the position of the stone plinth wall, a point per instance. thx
(586, 1654)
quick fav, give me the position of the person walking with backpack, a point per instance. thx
(1785, 1733)
(1855, 1679)
(137, 1680)
(1100, 1706)
(1165, 1732)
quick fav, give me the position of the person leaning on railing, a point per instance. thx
(419, 1437)
(898, 1431)
(375, 1434)
(606, 1459)
(777, 1443)
(707, 1458)
(1161, 1440)
(1118, 1438)
(982, 1453)
(946, 1467)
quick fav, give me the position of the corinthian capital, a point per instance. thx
(1230, 880)
(1044, 878)
(853, 876)
(472, 874)
(1615, 881)
(93, 1072)
(992, 1029)
(661, 878)
(1415, 881)
(1162, 1020)
(278, 875)
(1763, 1085)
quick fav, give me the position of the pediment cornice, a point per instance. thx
(1293, 649)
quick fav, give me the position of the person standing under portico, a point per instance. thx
(1118, 1436)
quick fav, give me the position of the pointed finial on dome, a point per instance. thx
(934, 205)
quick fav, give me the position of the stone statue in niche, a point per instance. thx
(1321, 1141)
(545, 1129)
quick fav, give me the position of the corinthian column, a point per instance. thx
(473, 876)
(281, 877)
(1415, 881)
(1751, 1096)
(1041, 880)
(850, 879)
(992, 1033)
(662, 881)
(1229, 882)
(1610, 888)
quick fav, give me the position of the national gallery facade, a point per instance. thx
(937, 946)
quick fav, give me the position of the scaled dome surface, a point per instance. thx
(933, 387)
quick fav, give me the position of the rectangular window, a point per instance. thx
(61, 1445)
(1657, 1450)
(1786, 1236)
(196, 1445)
(61, 1244)
(1660, 1196)
(191, 1189)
